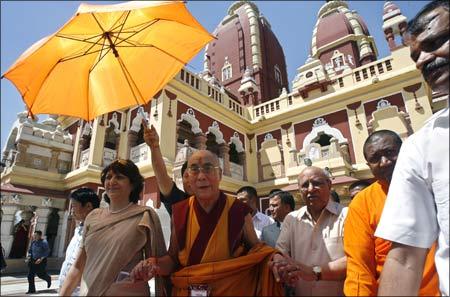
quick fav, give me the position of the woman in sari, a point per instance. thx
(116, 238)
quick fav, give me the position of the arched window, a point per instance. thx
(278, 76)
(185, 132)
(111, 138)
(322, 139)
(234, 155)
(227, 70)
(211, 144)
(140, 136)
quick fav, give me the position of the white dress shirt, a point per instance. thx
(71, 256)
(315, 243)
(417, 207)
(260, 221)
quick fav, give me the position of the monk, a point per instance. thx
(366, 253)
(214, 249)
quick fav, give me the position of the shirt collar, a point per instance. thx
(257, 215)
(331, 207)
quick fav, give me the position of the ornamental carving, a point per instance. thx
(383, 104)
(319, 122)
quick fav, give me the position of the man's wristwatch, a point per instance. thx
(318, 272)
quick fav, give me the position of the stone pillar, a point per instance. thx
(243, 162)
(62, 242)
(389, 35)
(293, 160)
(224, 151)
(53, 166)
(200, 141)
(20, 159)
(7, 227)
(97, 143)
(252, 169)
(59, 240)
(132, 140)
(42, 219)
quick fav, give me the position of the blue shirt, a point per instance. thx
(39, 249)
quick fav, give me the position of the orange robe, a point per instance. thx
(366, 253)
(223, 263)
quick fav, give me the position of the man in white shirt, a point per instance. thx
(250, 196)
(311, 240)
(83, 201)
(416, 212)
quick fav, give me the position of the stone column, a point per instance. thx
(20, 159)
(243, 162)
(132, 140)
(59, 240)
(200, 141)
(7, 227)
(224, 151)
(63, 241)
(389, 35)
(52, 167)
(42, 214)
(97, 143)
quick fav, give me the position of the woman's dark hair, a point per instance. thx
(85, 195)
(130, 170)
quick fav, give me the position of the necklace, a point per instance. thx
(117, 211)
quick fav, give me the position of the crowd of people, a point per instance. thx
(392, 239)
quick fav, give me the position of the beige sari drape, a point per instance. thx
(114, 243)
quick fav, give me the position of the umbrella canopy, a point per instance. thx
(107, 57)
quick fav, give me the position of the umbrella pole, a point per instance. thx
(128, 77)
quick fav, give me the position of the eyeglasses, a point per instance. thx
(206, 169)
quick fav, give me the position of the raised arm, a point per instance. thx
(74, 276)
(402, 271)
(164, 181)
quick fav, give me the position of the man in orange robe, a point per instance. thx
(366, 253)
(214, 249)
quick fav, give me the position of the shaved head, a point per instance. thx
(314, 185)
(204, 154)
(316, 170)
(380, 134)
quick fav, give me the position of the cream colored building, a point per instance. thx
(340, 95)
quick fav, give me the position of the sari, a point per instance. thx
(115, 243)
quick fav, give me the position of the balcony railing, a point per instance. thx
(109, 155)
(139, 153)
(237, 171)
(84, 158)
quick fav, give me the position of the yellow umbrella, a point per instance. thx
(107, 57)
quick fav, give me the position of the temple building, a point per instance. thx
(264, 129)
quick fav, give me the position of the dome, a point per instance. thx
(342, 29)
(331, 28)
(390, 10)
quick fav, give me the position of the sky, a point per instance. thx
(25, 22)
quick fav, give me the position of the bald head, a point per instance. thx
(380, 135)
(204, 154)
(381, 150)
(316, 171)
